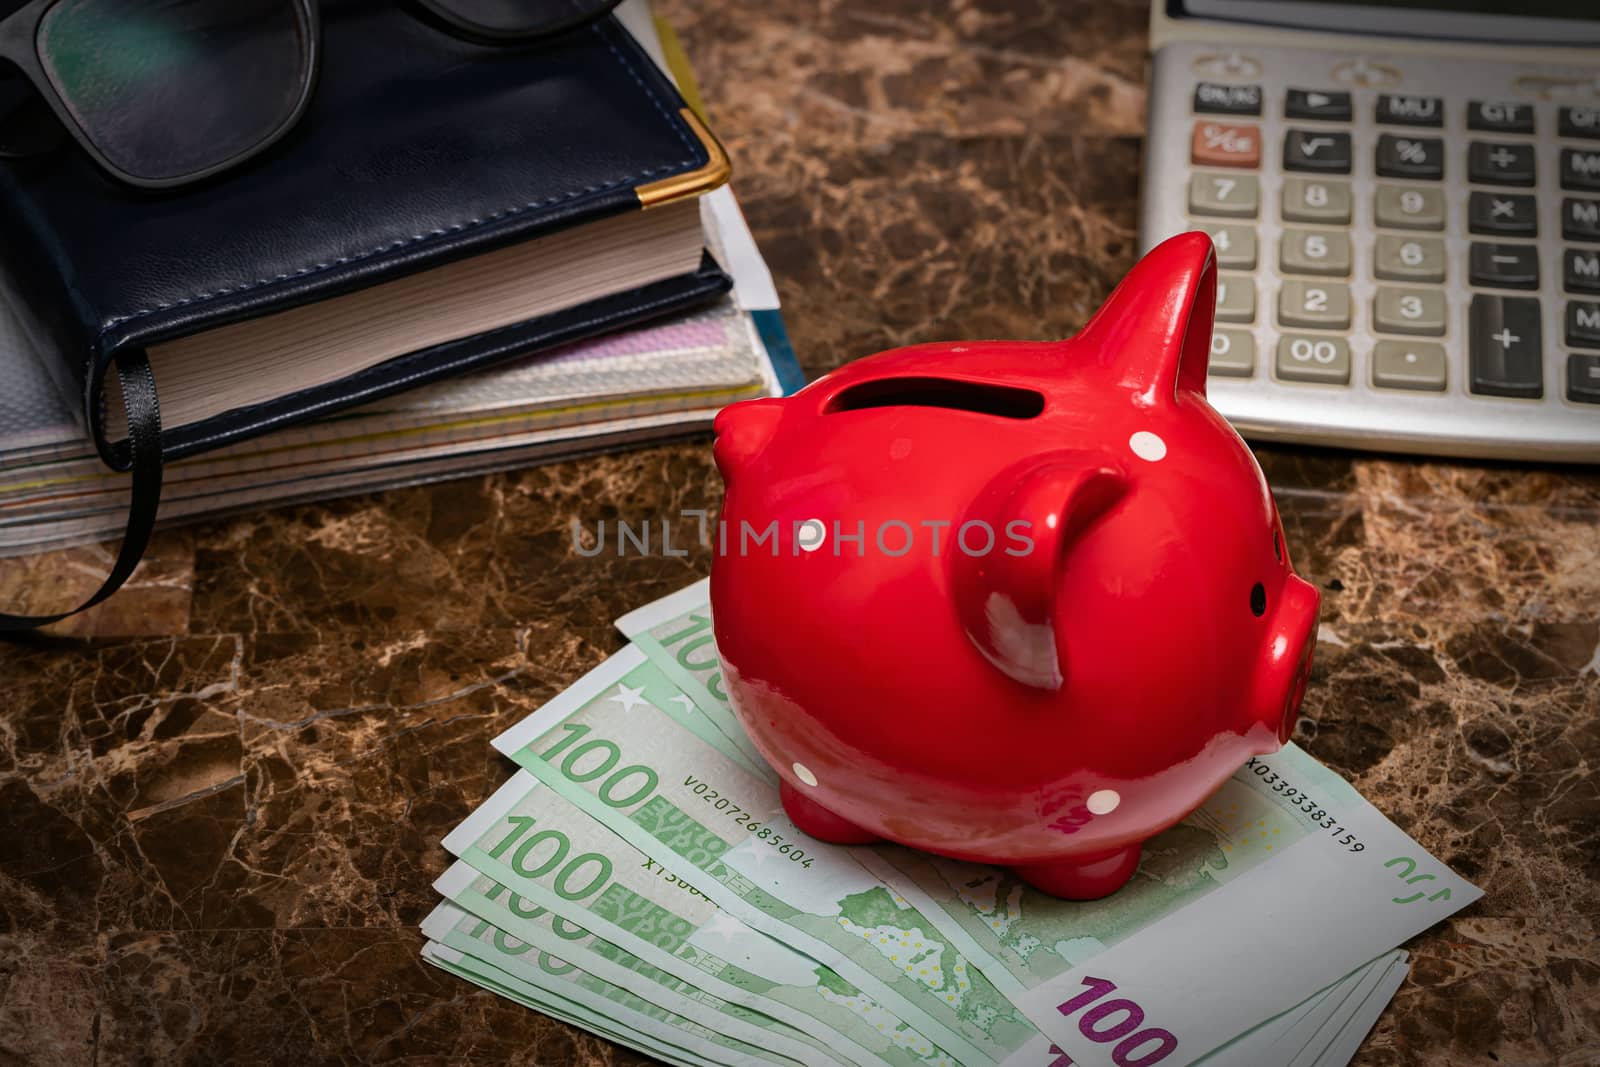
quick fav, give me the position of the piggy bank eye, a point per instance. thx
(1258, 600)
(1277, 546)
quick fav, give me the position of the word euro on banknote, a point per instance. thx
(1286, 850)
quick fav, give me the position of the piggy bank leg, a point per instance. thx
(819, 822)
(1082, 877)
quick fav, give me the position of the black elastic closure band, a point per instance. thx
(144, 447)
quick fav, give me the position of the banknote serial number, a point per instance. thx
(671, 879)
(1302, 801)
(757, 830)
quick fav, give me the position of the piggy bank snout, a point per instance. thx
(742, 430)
(1291, 638)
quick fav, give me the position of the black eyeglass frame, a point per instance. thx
(19, 43)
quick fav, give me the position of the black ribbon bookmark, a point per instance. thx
(144, 447)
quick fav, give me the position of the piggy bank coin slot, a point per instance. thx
(978, 397)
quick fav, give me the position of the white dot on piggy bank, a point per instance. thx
(811, 535)
(1104, 801)
(802, 772)
(1148, 446)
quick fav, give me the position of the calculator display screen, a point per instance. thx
(1521, 21)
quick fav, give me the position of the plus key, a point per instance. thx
(1505, 352)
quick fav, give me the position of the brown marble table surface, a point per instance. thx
(222, 793)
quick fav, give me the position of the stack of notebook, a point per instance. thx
(661, 379)
(611, 327)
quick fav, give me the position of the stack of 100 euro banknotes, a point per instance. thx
(637, 877)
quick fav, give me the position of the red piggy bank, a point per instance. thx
(1015, 602)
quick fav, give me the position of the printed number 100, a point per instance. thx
(1117, 1020)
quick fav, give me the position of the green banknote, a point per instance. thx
(526, 850)
(675, 634)
(1273, 1043)
(540, 928)
(712, 824)
(1285, 854)
(601, 1015)
(1345, 1043)
(1285, 850)
(1307, 1048)
(548, 960)
(479, 974)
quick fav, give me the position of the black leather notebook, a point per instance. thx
(441, 205)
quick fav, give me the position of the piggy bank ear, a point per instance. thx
(742, 431)
(1154, 333)
(1006, 597)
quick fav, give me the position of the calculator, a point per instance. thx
(1407, 229)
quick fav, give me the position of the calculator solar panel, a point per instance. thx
(1409, 246)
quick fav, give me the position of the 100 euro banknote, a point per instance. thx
(598, 1015)
(666, 1014)
(1146, 976)
(527, 851)
(630, 766)
(669, 944)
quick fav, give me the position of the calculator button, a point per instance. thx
(1313, 358)
(1409, 259)
(1580, 270)
(1217, 144)
(1329, 105)
(1418, 311)
(1583, 378)
(1580, 122)
(1500, 164)
(1233, 354)
(1580, 219)
(1418, 365)
(1314, 252)
(1583, 324)
(1397, 110)
(1410, 209)
(1580, 170)
(1324, 305)
(1410, 157)
(1216, 98)
(1320, 151)
(1504, 214)
(1235, 245)
(1497, 117)
(1236, 298)
(1323, 200)
(1504, 266)
(1505, 358)
(1236, 195)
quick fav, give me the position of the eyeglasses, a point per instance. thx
(162, 93)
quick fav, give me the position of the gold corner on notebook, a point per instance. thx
(693, 183)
